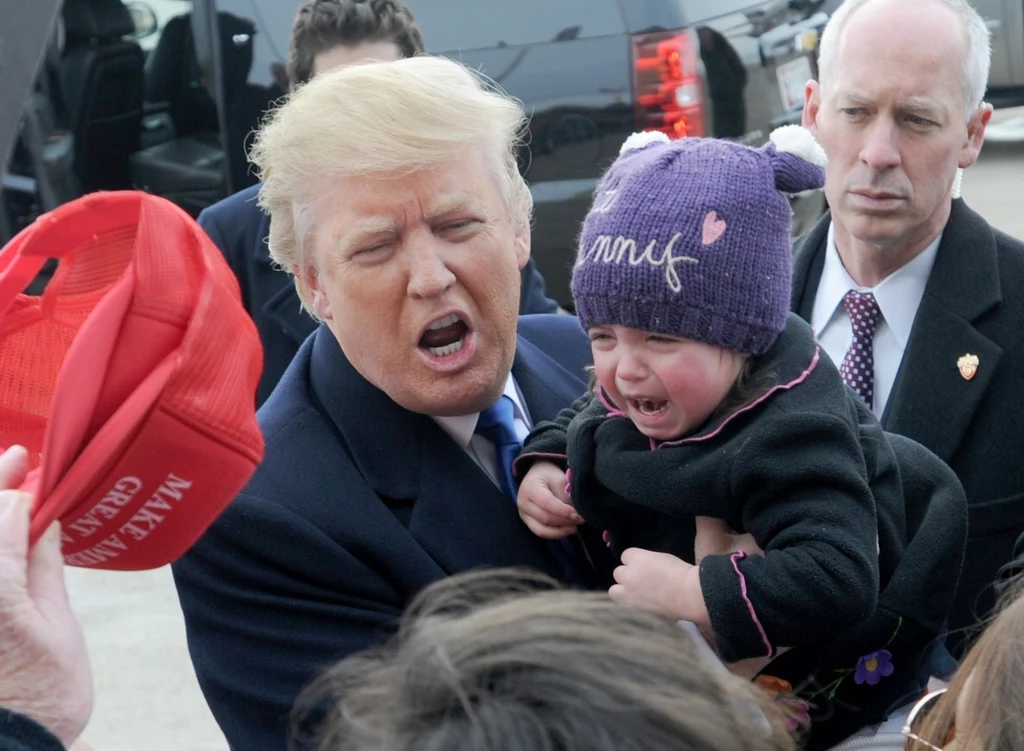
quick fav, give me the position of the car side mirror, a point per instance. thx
(144, 18)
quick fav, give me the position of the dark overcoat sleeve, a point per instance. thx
(271, 600)
(19, 733)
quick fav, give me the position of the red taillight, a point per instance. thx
(667, 85)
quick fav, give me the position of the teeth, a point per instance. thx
(444, 322)
(451, 349)
(649, 406)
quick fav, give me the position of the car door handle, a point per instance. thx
(994, 23)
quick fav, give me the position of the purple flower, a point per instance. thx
(873, 667)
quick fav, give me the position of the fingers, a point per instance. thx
(544, 505)
(13, 467)
(545, 515)
(547, 509)
(14, 521)
(617, 593)
(636, 556)
(46, 569)
(547, 532)
(558, 490)
(539, 517)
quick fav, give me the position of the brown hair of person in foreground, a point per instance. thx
(507, 661)
(983, 710)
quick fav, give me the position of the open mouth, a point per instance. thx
(649, 407)
(445, 336)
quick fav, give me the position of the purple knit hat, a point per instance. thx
(690, 238)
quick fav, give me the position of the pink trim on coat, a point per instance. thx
(535, 455)
(612, 410)
(735, 558)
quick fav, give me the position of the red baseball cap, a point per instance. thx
(131, 380)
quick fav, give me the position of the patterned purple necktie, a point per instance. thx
(858, 367)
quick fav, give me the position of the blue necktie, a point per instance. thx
(497, 425)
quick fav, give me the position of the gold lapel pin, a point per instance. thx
(968, 366)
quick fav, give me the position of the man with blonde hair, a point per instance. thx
(326, 34)
(397, 206)
(917, 297)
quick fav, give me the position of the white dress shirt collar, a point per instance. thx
(898, 295)
(462, 428)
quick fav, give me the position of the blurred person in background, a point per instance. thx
(936, 294)
(326, 34)
(983, 709)
(507, 660)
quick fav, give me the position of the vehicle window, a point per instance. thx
(450, 25)
(697, 11)
(151, 16)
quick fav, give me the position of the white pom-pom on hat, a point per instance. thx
(642, 139)
(796, 139)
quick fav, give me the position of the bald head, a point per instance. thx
(949, 33)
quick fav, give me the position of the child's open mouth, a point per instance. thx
(649, 407)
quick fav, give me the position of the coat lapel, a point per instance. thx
(808, 262)
(454, 512)
(931, 401)
(546, 386)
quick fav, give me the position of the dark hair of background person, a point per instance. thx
(995, 703)
(321, 25)
(505, 660)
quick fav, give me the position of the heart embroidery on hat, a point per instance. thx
(714, 228)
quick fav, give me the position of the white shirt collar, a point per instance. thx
(898, 295)
(462, 427)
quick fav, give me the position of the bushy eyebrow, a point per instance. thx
(360, 232)
(381, 227)
(923, 106)
(914, 105)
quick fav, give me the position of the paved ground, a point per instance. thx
(147, 696)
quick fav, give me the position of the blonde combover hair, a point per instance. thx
(379, 119)
(975, 66)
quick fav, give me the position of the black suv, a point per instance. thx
(589, 73)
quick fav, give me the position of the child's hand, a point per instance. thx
(662, 584)
(544, 505)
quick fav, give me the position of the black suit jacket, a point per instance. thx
(358, 505)
(240, 229)
(973, 304)
(19, 733)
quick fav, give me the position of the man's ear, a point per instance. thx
(523, 245)
(307, 282)
(812, 103)
(976, 126)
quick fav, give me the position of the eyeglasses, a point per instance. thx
(915, 720)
